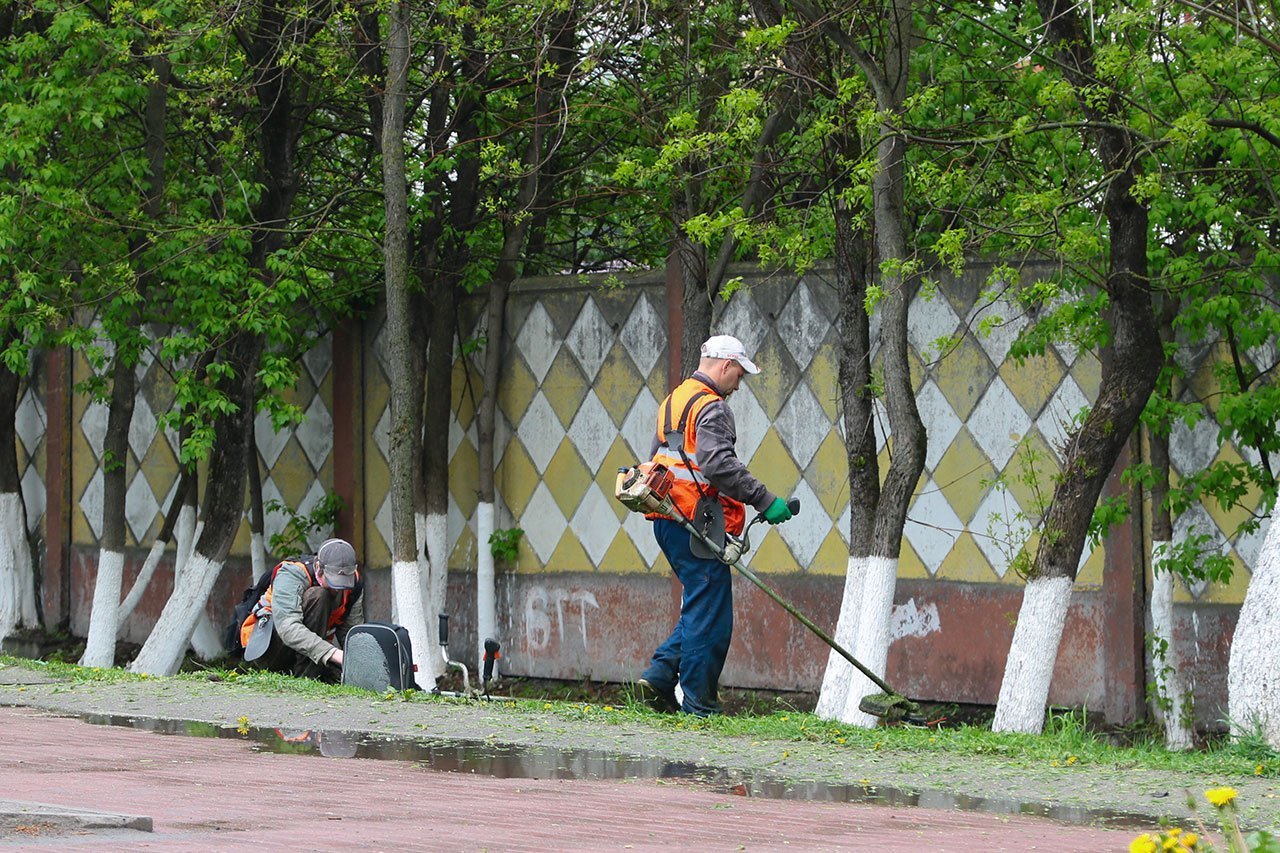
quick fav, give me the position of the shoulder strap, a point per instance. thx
(684, 415)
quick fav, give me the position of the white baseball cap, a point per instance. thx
(727, 346)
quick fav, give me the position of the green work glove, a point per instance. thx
(777, 512)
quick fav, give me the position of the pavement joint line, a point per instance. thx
(14, 813)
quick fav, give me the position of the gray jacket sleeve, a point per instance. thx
(717, 435)
(286, 612)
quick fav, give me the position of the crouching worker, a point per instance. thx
(298, 625)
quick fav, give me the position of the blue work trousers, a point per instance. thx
(694, 653)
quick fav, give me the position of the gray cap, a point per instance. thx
(337, 562)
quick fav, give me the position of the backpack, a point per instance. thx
(231, 634)
(378, 656)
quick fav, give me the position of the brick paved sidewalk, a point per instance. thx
(216, 793)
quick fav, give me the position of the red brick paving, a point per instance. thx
(217, 793)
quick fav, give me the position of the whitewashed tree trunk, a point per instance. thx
(872, 645)
(1253, 670)
(162, 652)
(1028, 671)
(436, 598)
(139, 587)
(1169, 675)
(432, 591)
(486, 585)
(17, 579)
(839, 672)
(257, 555)
(100, 645)
(206, 641)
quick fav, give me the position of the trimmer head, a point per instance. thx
(890, 707)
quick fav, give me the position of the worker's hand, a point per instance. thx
(335, 659)
(777, 512)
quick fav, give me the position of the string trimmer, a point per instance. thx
(646, 488)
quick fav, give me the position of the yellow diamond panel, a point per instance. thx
(1231, 592)
(464, 478)
(1034, 380)
(567, 478)
(909, 563)
(772, 555)
(832, 557)
(1230, 518)
(828, 474)
(569, 556)
(622, 556)
(963, 376)
(1090, 574)
(963, 474)
(565, 387)
(824, 380)
(514, 394)
(1031, 473)
(966, 562)
(1087, 373)
(773, 463)
(517, 477)
(292, 474)
(772, 386)
(618, 384)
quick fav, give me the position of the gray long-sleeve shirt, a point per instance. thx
(286, 612)
(716, 434)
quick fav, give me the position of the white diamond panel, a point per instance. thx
(270, 443)
(804, 533)
(644, 335)
(929, 320)
(1004, 322)
(543, 523)
(590, 339)
(592, 431)
(142, 428)
(537, 342)
(30, 421)
(940, 422)
(140, 508)
(594, 523)
(802, 425)
(33, 497)
(640, 426)
(998, 423)
(1191, 449)
(998, 528)
(802, 325)
(1057, 421)
(932, 526)
(749, 421)
(743, 320)
(315, 433)
(541, 432)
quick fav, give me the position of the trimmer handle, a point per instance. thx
(794, 506)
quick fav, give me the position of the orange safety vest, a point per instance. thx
(680, 412)
(264, 603)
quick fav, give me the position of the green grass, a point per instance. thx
(1067, 742)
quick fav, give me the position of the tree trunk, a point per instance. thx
(435, 457)
(406, 382)
(860, 446)
(1171, 702)
(1253, 669)
(17, 576)
(161, 654)
(1128, 376)
(100, 646)
(257, 517)
(148, 570)
(535, 184)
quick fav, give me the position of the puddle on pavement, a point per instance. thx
(513, 761)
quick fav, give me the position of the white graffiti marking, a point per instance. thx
(911, 621)
(544, 612)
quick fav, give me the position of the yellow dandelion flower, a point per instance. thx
(1169, 844)
(1221, 796)
(1144, 843)
(1189, 840)
(1175, 831)
(608, 707)
(1071, 759)
(1257, 771)
(547, 707)
(839, 740)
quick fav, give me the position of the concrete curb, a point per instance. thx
(15, 814)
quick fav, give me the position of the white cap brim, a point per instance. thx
(747, 364)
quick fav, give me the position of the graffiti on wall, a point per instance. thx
(548, 609)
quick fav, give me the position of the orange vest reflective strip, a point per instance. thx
(264, 603)
(681, 408)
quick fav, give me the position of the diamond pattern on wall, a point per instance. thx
(998, 423)
(592, 431)
(803, 325)
(929, 319)
(941, 419)
(590, 338)
(644, 336)
(998, 528)
(537, 342)
(802, 424)
(540, 431)
(1004, 322)
(932, 526)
